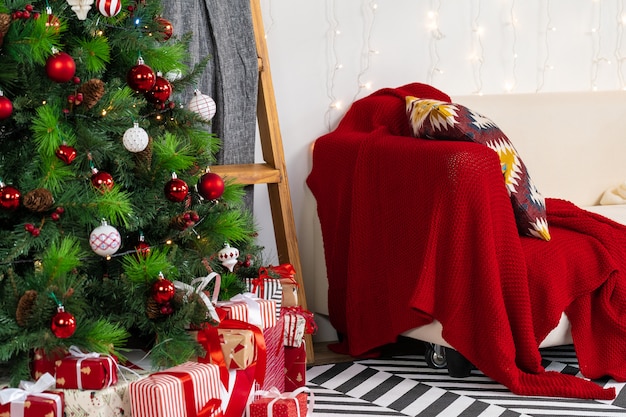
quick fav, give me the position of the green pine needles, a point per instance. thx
(65, 151)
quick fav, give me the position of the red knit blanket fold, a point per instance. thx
(416, 230)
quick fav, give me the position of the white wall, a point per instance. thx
(325, 51)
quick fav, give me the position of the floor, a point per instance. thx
(405, 346)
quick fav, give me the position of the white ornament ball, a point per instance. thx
(228, 256)
(174, 75)
(105, 240)
(109, 8)
(135, 139)
(202, 105)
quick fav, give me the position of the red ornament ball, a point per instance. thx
(9, 197)
(53, 23)
(166, 28)
(142, 248)
(60, 67)
(6, 107)
(176, 190)
(161, 91)
(66, 153)
(163, 291)
(102, 180)
(211, 186)
(63, 324)
(141, 78)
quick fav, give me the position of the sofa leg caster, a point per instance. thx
(458, 366)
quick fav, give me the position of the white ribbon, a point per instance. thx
(199, 289)
(254, 307)
(17, 396)
(277, 395)
(75, 352)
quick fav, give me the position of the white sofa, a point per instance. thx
(574, 146)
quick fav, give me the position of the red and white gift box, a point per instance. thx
(32, 400)
(249, 308)
(187, 390)
(89, 371)
(272, 403)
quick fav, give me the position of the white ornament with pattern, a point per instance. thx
(228, 256)
(135, 138)
(203, 105)
(105, 240)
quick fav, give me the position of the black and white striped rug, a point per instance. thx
(406, 386)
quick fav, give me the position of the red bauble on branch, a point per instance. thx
(176, 190)
(141, 77)
(163, 290)
(210, 186)
(161, 91)
(63, 323)
(60, 67)
(9, 197)
(6, 107)
(101, 180)
(167, 30)
(66, 153)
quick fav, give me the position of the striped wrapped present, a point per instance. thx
(186, 390)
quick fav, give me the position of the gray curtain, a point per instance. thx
(223, 30)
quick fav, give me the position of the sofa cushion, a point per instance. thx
(434, 119)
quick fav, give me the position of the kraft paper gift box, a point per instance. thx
(187, 390)
(32, 399)
(238, 347)
(89, 371)
(291, 404)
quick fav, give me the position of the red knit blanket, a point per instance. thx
(416, 230)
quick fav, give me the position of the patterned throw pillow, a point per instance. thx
(434, 119)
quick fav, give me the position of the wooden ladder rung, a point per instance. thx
(248, 174)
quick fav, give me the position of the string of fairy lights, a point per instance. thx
(498, 37)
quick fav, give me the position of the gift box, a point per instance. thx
(250, 309)
(295, 325)
(290, 294)
(32, 399)
(238, 347)
(189, 389)
(292, 404)
(275, 364)
(107, 402)
(266, 287)
(87, 371)
(42, 362)
(295, 367)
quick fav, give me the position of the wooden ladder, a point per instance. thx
(273, 171)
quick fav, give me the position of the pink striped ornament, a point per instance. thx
(109, 8)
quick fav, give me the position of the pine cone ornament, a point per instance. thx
(25, 307)
(153, 310)
(38, 200)
(5, 22)
(92, 91)
(145, 157)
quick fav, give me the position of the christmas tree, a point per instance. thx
(106, 195)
